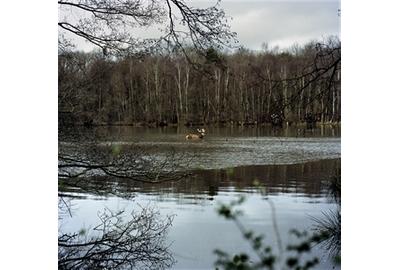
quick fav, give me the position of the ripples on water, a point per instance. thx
(226, 147)
(292, 172)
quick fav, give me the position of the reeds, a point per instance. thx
(329, 225)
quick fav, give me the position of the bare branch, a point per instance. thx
(110, 25)
(114, 243)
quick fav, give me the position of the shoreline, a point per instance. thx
(199, 124)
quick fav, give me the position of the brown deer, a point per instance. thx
(202, 133)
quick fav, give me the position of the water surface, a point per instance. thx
(290, 168)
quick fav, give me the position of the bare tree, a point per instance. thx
(244, 87)
(322, 75)
(117, 243)
(111, 25)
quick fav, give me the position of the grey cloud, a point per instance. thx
(282, 22)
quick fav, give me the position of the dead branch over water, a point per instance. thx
(79, 161)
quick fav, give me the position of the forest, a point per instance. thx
(191, 69)
(297, 85)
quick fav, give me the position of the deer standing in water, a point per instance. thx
(202, 133)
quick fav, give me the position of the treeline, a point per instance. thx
(301, 84)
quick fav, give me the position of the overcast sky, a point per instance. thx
(276, 22)
(282, 22)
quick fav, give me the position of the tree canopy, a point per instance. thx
(113, 25)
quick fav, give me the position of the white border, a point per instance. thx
(370, 144)
(28, 111)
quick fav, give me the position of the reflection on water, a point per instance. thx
(118, 241)
(238, 164)
(306, 179)
(298, 192)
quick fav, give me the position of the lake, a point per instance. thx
(282, 173)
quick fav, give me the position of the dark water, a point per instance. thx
(290, 168)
